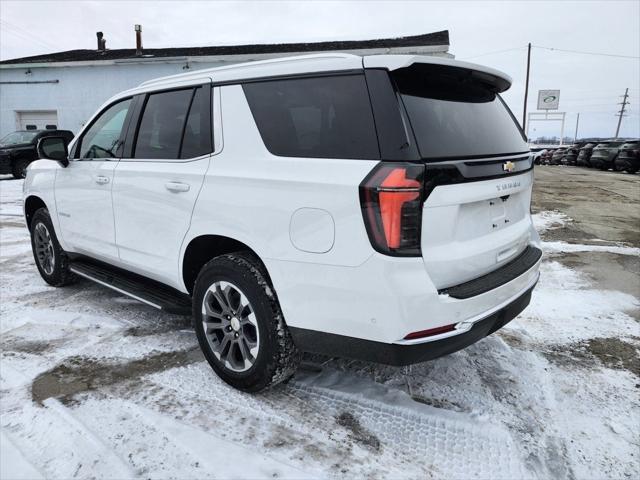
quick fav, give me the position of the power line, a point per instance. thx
(580, 52)
(586, 53)
(494, 53)
(25, 35)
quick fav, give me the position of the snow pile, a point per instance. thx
(549, 220)
(566, 309)
(564, 247)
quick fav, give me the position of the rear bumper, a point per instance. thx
(627, 162)
(385, 299)
(598, 162)
(512, 270)
(399, 354)
(570, 159)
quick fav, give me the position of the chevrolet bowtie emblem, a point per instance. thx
(508, 166)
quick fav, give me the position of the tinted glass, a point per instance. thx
(161, 125)
(103, 138)
(17, 138)
(197, 133)
(325, 117)
(391, 123)
(454, 114)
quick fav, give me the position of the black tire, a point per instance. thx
(19, 167)
(277, 357)
(59, 274)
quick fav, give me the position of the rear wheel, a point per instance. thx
(19, 168)
(51, 259)
(240, 326)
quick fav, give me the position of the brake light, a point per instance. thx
(391, 199)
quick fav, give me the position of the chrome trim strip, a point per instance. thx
(124, 292)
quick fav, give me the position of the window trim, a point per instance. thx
(212, 138)
(134, 127)
(77, 148)
(289, 76)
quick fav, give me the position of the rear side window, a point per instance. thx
(197, 139)
(454, 113)
(175, 124)
(160, 129)
(324, 117)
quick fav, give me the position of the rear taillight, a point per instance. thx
(391, 199)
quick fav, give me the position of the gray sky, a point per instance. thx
(589, 84)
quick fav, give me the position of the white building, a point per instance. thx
(65, 88)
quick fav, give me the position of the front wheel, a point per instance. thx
(240, 326)
(51, 259)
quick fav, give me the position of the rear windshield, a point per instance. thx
(455, 114)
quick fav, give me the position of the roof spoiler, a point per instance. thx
(498, 80)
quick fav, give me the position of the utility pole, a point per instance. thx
(575, 137)
(526, 89)
(621, 112)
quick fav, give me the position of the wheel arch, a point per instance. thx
(31, 205)
(203, 248)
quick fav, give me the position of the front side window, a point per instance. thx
(323, 117)
(104, 137)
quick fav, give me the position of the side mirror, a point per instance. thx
(54, 148)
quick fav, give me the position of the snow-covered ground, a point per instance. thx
(93, 384)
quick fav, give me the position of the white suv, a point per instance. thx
(369, 207)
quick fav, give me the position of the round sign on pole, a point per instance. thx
(548, 99)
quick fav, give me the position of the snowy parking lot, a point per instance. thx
(94, 384)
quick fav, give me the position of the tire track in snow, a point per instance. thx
(45, 434)
(13, 464)
(173, 444)
(437, 442)
(287, 426)
(452, 442)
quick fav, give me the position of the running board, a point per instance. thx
(144, 290)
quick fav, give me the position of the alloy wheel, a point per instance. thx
(230, 326)
(44, 248)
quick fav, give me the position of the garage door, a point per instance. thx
(44, 120)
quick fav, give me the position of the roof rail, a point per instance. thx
(207, 72)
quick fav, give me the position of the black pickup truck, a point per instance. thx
(18, 149)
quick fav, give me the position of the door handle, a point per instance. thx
(101, 179)
(177, 187)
